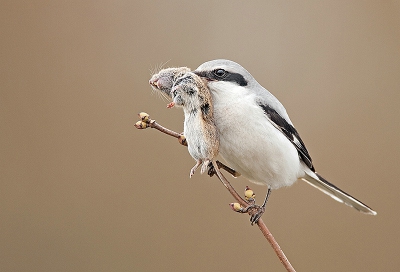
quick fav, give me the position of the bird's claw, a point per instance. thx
(255, 211)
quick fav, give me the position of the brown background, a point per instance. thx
(83, 190)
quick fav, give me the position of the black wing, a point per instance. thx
(290, 132)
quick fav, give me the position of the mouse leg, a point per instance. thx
(195, 168)
(205, 165)
(171, 105)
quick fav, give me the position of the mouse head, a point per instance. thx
(165, 79)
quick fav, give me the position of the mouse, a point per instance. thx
(192, 94)
(162, 82)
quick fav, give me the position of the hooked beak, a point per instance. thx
(203, 76)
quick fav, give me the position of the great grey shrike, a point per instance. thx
(257, 137)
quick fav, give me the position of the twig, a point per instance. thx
(147, 122)
(265, 231)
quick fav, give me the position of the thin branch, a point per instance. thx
(147, 122)
(265, 231)
(278, 251)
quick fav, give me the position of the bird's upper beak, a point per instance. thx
(203, 75)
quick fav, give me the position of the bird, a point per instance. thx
(257, 137)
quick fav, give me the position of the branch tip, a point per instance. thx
(145, 117)
(236, 207)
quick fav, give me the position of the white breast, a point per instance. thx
(249, 142)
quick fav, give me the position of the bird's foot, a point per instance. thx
(255, 211)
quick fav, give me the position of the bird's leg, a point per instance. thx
(258, 210)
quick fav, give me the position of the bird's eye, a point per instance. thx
(221, 73)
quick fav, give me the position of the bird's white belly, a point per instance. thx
(254, 147)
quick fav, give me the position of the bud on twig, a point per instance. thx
(144, 117)
(236, 207)
(249, 194)
(141, 125)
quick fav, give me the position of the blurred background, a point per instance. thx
(82, 190)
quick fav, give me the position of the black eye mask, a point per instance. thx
(223, 75)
